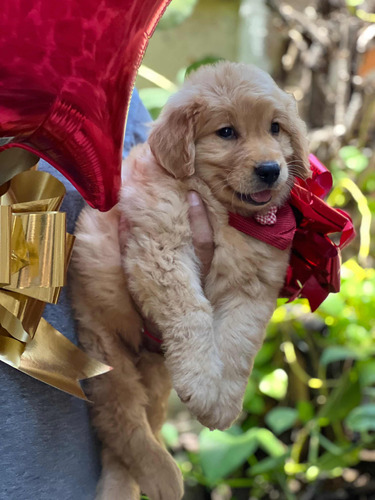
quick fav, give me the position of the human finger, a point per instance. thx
(202, 231)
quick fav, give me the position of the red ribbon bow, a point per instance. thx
(315, 260)
(304, 223)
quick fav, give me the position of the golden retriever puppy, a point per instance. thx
(234, 137)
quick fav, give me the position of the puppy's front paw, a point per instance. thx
(160, 478)
(205, 400)
(215, 402)
(196, 379)
(220, 416)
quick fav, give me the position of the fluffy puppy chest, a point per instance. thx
(156, 205)
(241, 261)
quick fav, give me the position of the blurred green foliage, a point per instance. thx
(176, 13)
(311, 416)
(309, 407)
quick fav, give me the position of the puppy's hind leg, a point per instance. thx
(115, 482)
(119, 415)
(158, 384)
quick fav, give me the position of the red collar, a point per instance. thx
(151, 342)
(279, 235)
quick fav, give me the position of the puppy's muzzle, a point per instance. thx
(268, 172)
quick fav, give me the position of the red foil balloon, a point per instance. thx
(67, 70)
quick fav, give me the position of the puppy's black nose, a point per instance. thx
(268, 171)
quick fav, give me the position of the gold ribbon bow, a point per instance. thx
(34, 254)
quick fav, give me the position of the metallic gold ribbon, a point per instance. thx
(34, 254)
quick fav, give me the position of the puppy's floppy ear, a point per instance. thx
(172, 137)
(298, 137)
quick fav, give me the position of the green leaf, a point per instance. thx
(221, 453)
(305, 411)
(176, 13)
(362, 419)
(333, 305)
(348, 152)
(253, 403)
(250, 391)
(354, 158)
(202, 62)
(266, 353)
(329, 461)
(366, 370)
(275, 384)
(330, 446)
(358, 163)
(369, 183)
(268, 464)
(154, 99)
(270, 443)
(256, 405)
(170, 435)
(281, 419)
(337, 353)
(342, 399)
(235, 430)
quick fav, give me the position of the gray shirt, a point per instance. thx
(48, 450)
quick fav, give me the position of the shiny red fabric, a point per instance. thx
(67, 70)
(314, 267)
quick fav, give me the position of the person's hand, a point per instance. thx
(202, 232)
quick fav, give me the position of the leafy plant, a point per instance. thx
(310, 402)
(309, 407)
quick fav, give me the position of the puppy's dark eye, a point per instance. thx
(275, 128)
(227, 133)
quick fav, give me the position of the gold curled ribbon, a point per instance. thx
(35, 251)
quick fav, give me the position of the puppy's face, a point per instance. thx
(237, 131)
(244, 151)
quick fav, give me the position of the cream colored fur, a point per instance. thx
(142, 250)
